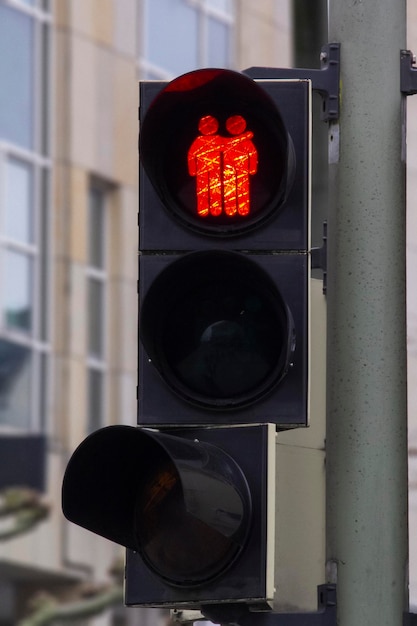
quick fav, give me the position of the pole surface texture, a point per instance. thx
(366, 384)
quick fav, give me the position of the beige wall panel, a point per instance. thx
(123, 324)
(106, 65)
(60, 94)
(124, 234)
(126, 26)
(122, 397)
(264, 34)
(60, 214)
(79, 319)
(112, 397)
(103, 19)
(79, 545)
(77, 401)
(86, 548)
(127, 398)
(83, 102)
(60, 306)
(79, 207)
(62, 13)
(268, 10)
(411, 24)
(125, 129)
(81, 16)
(60, 422)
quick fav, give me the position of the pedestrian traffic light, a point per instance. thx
(195, 509)
(224, 251)
(223, 355)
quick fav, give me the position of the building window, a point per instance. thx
(96, 306)
(182, 35)
(24, 212)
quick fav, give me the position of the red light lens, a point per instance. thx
(222, 167)
(215, 147)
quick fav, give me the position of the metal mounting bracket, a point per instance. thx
(325, 80)
(319, 258)
(408, 76)
(324, 616)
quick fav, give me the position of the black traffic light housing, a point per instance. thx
(193, 509)
(223, 343)
(219, 332)
(277, 113)
(224, 298)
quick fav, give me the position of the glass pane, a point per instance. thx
(95, 400)
(15, 384)
(18, 291)
(18, 205)
(95, 317)
(16, 77)
(96, 228)
(218, 54)
(171, 32)
(226, 6)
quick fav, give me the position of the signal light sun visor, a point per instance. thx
(161, 496)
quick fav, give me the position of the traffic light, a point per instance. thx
(193, 508)
(223, 354)
(224, 251)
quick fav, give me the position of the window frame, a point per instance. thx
(36, 339)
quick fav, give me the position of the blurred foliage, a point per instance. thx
(21, 509)
(88, 600)
(46, 609)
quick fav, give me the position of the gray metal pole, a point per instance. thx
(366, 423)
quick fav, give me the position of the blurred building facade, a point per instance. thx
(68, 245)
(68, 242)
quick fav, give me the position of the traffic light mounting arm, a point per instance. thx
(325, 80)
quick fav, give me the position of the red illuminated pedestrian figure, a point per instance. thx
(222, 166)
(240, 160)
(204, 162)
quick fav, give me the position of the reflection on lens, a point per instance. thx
(223, 339)
(178, 546)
